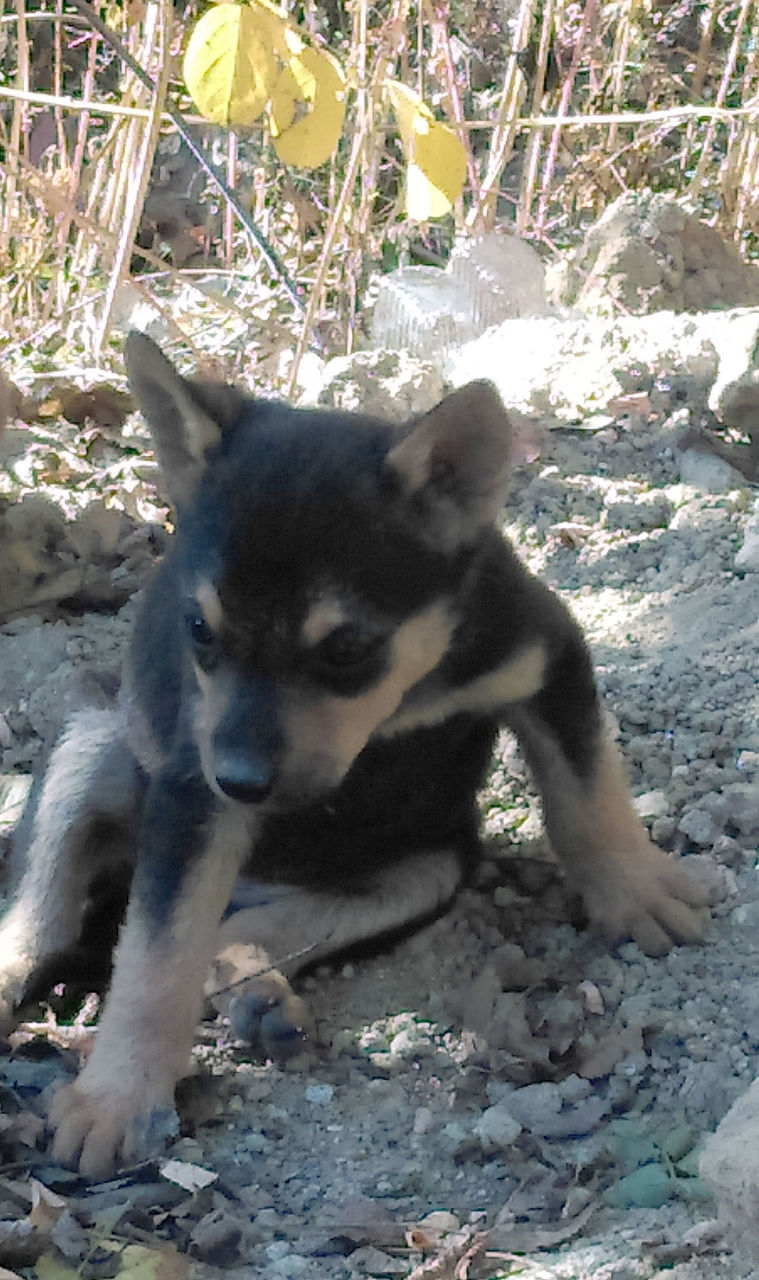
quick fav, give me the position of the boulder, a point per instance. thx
(648, 253)
(730, 1168)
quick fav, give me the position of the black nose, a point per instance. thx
(244, 779)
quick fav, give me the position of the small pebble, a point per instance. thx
(319, 1094)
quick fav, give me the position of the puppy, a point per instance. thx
(320, 666)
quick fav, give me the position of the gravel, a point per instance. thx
(501, 1064)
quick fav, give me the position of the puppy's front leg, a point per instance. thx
(191, 851)
(630, 887)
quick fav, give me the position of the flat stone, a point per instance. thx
(497, 1128)
(730, 1168)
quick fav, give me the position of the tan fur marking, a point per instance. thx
(520, 677)
(147, 1028)
(331, 731)
(210, 605)
(597, 823)
(324, 733)
(155, 992)
(215, 692)
(631, 888)
(298, 926)
(324, 616)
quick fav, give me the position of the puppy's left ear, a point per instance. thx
(453, 466)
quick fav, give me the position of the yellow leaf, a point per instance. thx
(50, 1267)
(283, 100)
(312, 81)
(229, 66)
(142, 1263)
(283, 38)
(136, 1262)
(407, 105)
(425, 200)
(435, 157)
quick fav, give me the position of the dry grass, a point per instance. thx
(590, 100)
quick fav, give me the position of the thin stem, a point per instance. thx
(268, 251)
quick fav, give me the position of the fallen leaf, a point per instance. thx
(454, 1258)
(106, 407)
(191, 1177)
(601, 1059)
(50, 1267)
(141, 1263)
(47, 1207)
(521, 1237)
(20, 1242)
(366, 1221)
(14, 404)
(429, 1235)
(635, 403)
(25, 1127)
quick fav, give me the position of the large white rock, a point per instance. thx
(730, 1167)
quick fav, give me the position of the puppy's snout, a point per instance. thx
(248, 743)
(244, 778)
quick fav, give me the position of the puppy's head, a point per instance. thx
(320, 561)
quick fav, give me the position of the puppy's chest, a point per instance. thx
(404, 794)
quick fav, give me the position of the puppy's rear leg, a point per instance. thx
(262, 945)
(91, 783)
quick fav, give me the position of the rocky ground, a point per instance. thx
(499, 1094)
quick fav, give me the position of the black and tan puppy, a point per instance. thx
(320, 666)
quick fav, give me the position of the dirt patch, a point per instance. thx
(647, 253)
(501, 1065)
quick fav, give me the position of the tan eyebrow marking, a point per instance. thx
(340, 727)
(322, 618)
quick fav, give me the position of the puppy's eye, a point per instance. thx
(202, 639)
(348, 646)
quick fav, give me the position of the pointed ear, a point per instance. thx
(187, 419)
(453, 465)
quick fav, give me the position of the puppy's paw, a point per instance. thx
(645, 896)
(7, 1015)
(98, 1131)
(260, 1003)
(15, 971)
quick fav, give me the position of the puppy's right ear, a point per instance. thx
(187, 419)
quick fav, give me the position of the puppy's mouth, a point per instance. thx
(266, 790)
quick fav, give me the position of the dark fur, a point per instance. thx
(237, 743)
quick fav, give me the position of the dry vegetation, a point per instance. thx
(562, 107)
